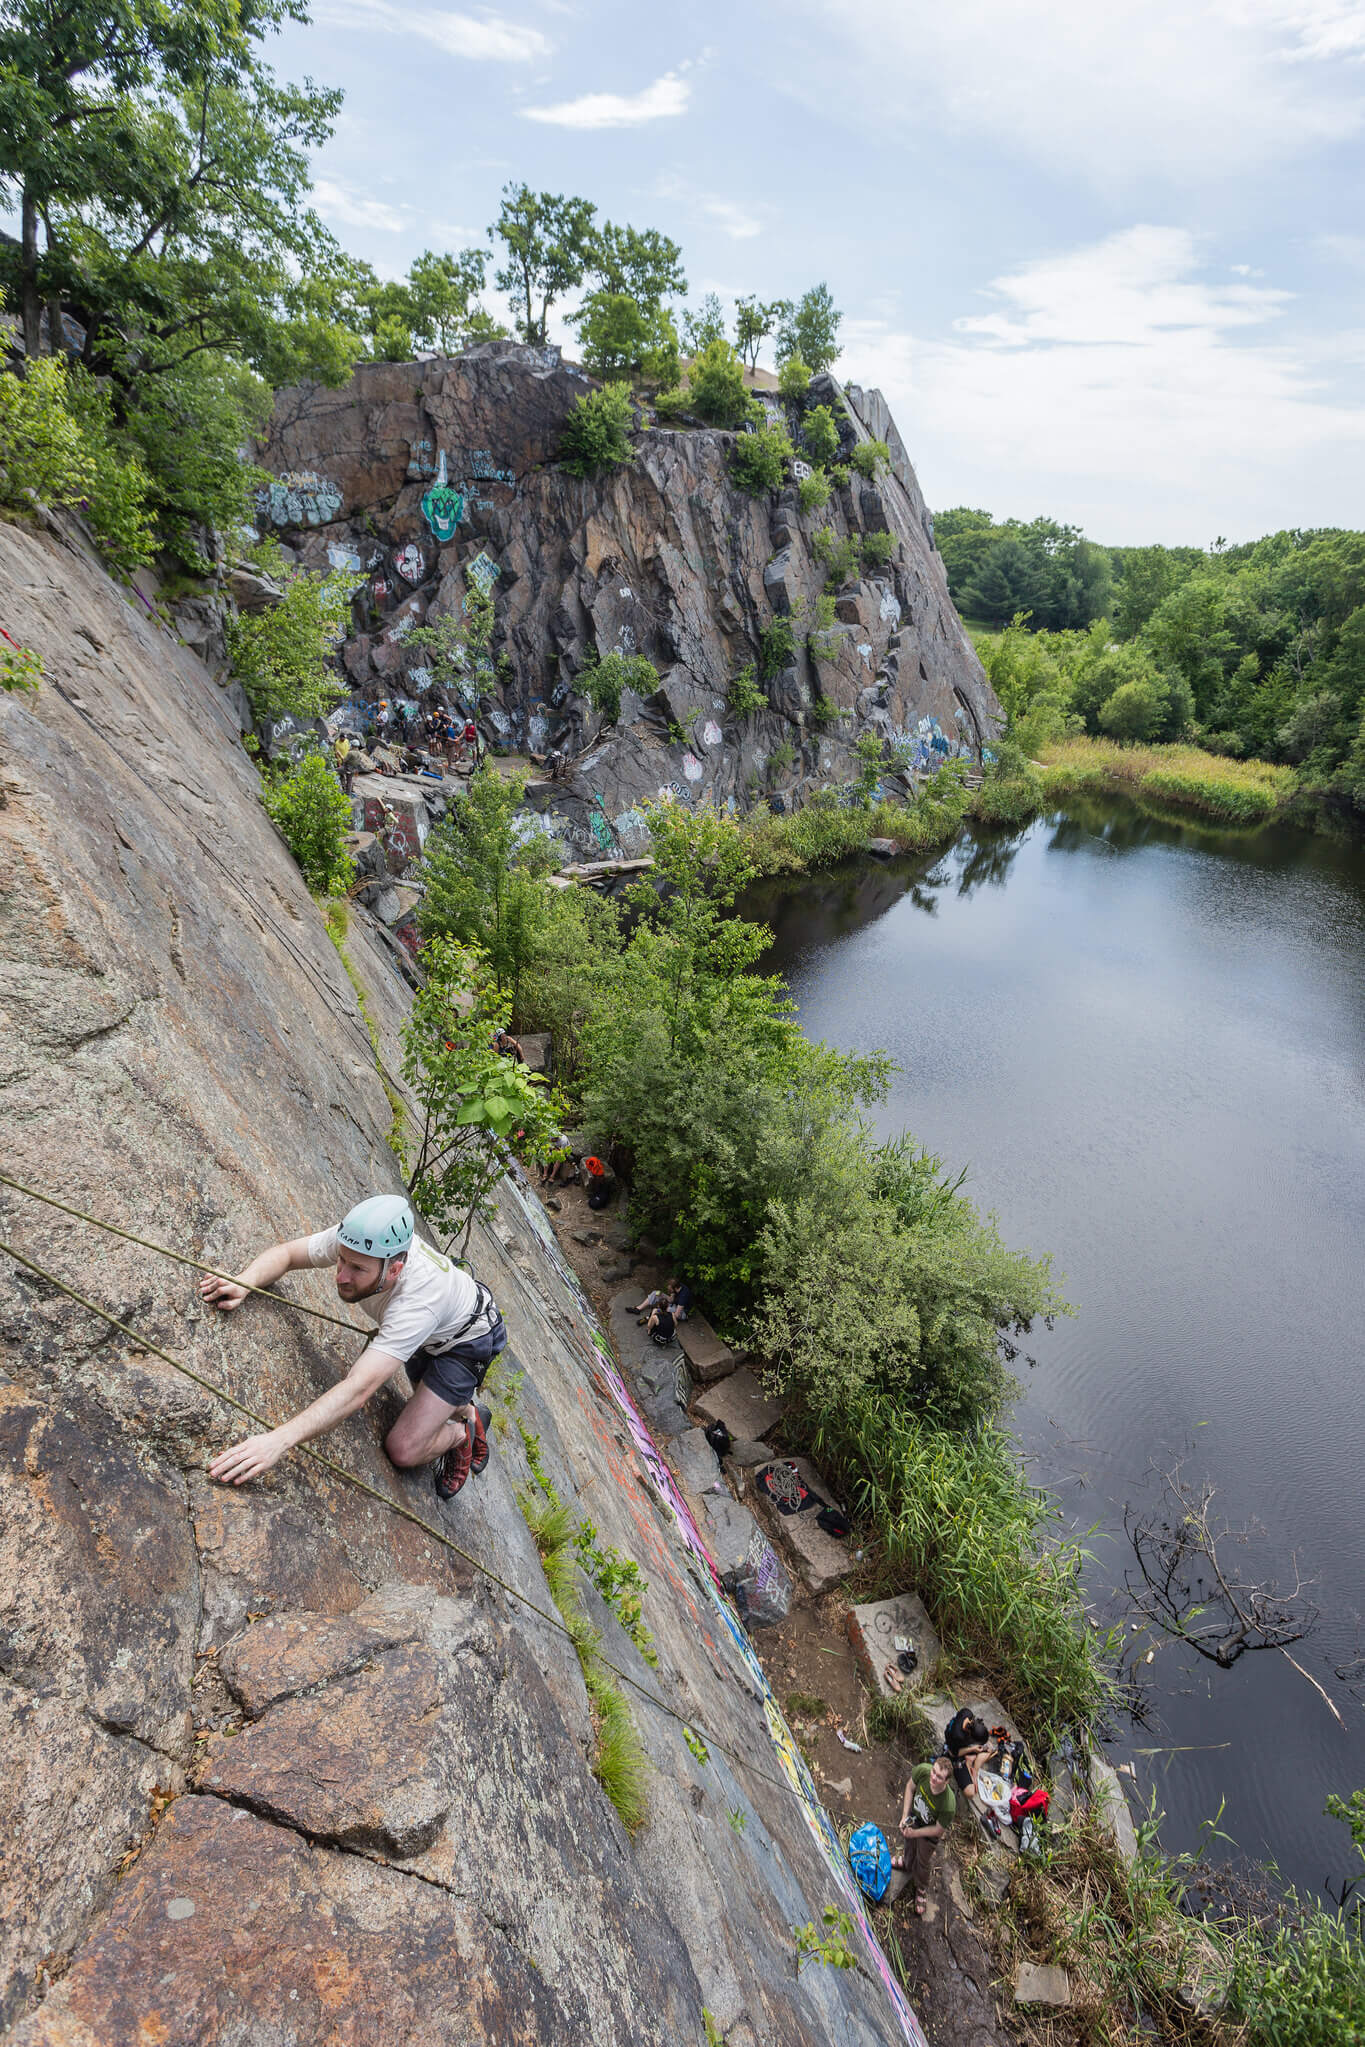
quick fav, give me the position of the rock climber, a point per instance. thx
(430, 1316)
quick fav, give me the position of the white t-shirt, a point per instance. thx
(430, 1300)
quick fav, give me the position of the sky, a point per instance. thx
(1105, 259)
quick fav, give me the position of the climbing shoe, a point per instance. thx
(479, 1441)
(452, 1469)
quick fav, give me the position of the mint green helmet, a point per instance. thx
(378, 1228)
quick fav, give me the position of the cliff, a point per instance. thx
(283, 1765)
(663, 557)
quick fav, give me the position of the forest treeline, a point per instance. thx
(1255, 651)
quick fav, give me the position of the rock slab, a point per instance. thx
(741, 1404)
(875, 1628)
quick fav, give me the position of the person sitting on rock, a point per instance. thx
(674, 1301)
(508, 1046)
(431, 1317)
(927, 1811)
(966, 1742)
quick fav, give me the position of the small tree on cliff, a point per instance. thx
(810, 329)
(549, 242)
(307, 804)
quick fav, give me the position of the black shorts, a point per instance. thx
(457, 1374)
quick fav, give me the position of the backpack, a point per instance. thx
(1027, 1805)
(869, 1857)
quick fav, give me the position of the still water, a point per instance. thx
(1147, 1044)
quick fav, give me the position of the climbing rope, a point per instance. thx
(552, 1620)
(180, 1257)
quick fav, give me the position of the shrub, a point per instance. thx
(793, 379)
(813, 491)
(839, 475)
(1134, 711)
(595, 435)
(758, 461)
(310, 809)
(820, 433)
(777, 647)
(839, 558)
(281, 656)
(189, 425)
(21, 668)
(824, 639)
(603, 682)
(877, 549)
(867, 457)
(744, 696)
(57, 441)
(674, 404)
(716, 386)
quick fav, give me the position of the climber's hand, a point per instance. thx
(248, 1459)
(224, 1293)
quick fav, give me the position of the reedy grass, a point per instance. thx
(1233, 791)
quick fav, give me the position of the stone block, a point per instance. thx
(741, 1404)
(535, 1047)
(883, 849)
(822, 1560)
(874, 1629)
(745, 1453)
(1111, 1806)
(728, 1529)
(695, 1464)
(1042, 1983)
(708, 1358)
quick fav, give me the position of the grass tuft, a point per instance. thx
(1185, 777)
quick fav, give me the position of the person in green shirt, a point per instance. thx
(926, 1812)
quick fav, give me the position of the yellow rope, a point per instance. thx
(552, 1620)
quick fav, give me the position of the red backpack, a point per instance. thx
(1027, 1805)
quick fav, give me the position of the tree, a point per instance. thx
(444, 295)
(810, 329)
(549, 242)
(1147, 575)
(640, 263)
(595, 436)
(704, 326)
(754, 322)
(283, 656)
(308, 805)
(716, 386)
(481, 877)
(618, 333)
(758, 461)
(820, 433)
(793, 379)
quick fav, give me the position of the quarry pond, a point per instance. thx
(1146, 1043)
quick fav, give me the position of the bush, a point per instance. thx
(793, 379)
(674, 404)
(716, 387)
(777, 647)
(309, 807)
(604, 681)
(824, 639)
(57, 441)
(189, 425)
(744, 697)
(867, 457)
(282, 656)
(813, 491)
(820, 434)
(22, 668)
(839, 558)
(877, 549)
(839, 475)
(595, 435)
(758, 461)
(1134, 711)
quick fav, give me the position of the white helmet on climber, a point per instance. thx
(380, 1227)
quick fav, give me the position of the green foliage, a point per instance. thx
(308, 805)
(1145, 577)
(813, 491)
(481, 879)
(839, 475)
(190, 424)
(777, 647)
(871, 766)
(754, 322)
(877, 549)
(58, 442)
(820, 434)
(640, 263)
(832, 1947)
(744, 696)
(443, 300)
(867, 457)
(758, 461)
(549, 244)
(596, 433)
(1037, 567)
(674, 404)
(705, 326)
(793, 378)
(839, 558)
(455, 647)
(824, 639)
(1170, 777)
(716, 390)
(697, 1745)
(617, 333)
(1302, 1982)
(282, 656)
(618, 1580)
(477, 1106)
(809, 329)
(738, 1819)
(620, 1764)
(20, 667)
(603, 681)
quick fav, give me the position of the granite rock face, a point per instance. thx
(281, 1765)
(664, 557)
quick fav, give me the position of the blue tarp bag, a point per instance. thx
(869, 1857)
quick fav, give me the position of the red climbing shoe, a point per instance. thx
(479, 1451)
(452, 1469)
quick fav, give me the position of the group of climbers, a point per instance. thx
(430, 1317)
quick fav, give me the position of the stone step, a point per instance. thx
(874, 1628)
(822, 1560)
(708, 1358)
(741, 1404)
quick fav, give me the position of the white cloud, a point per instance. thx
(1164, 88)
(352, 209)
(481, 38)
(1119, 387)
(732, 220)
(667, 97)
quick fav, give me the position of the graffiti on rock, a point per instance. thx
(410, 563)
(692, 767)
(342, 557)
(482, 465)
(421, 460)
(865, 653)
(801, 470)
(890, 608)
(483, 571)
(299, 497)
(421, 679)
(711, 733)
(442, 505)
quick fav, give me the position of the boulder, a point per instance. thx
(822, 1560)
(1042, 1983)
(694, 1462)
(740, 1402)
(874, 1630)
(708, 1359)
